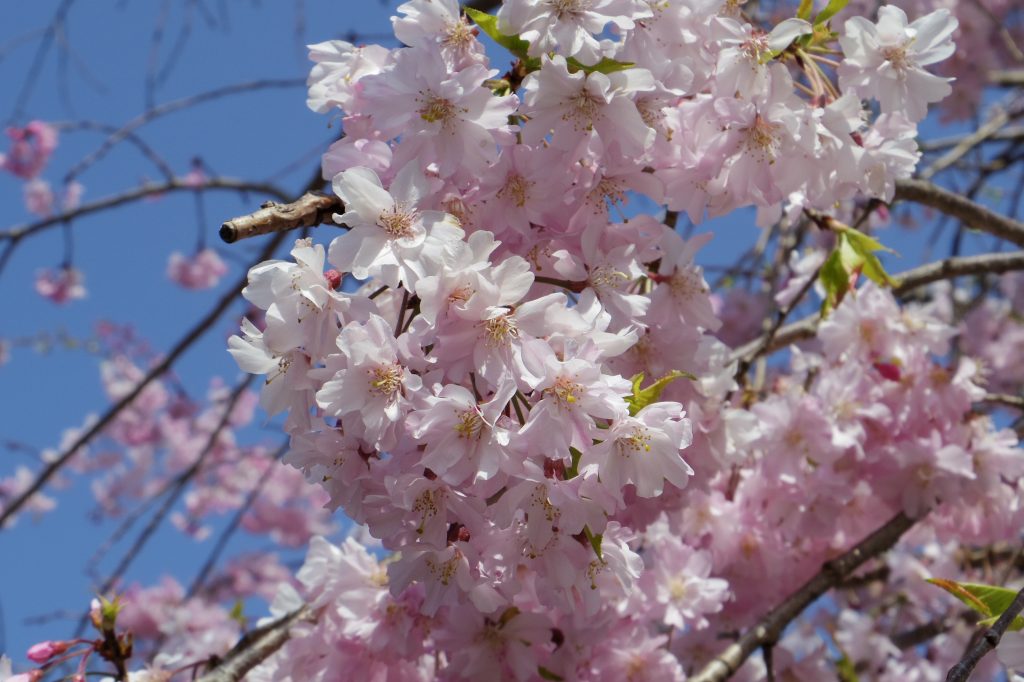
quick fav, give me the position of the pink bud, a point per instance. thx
(333, 278)
(44, 651)
(888, 370)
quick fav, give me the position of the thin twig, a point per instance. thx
(177, 105)
(141, 192)
(179, 348)
(832, 573)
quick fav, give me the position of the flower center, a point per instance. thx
(396, 222)
(501, 330)
(685, 284)
(897, 58)
(470, 424)
(638, 441)
(607, 277)
(762, 140)
(582, 108)
(572, 8)
(436, 109)
(566, 391)
(516, 189)
(385, 380)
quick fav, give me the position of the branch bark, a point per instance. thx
(256, 647)
(970, 213)
(986, 643)
(1008, 79)
(310, 210)
(768, 630)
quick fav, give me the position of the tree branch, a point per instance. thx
(141, 192)
(950, 268)
(180, 347)
(1007, 79)
(310, 210)
(987, 642)
(970, 213)
(256, 647)
(768, 630)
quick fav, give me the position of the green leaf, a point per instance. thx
(488, 23)
(845, 670)
(804, 12)
(548, 675)
(573, 470)
(595, 542)
(833, 8)
(988, 600)
(835, 279)
(858, 252)
(606, 65)
(641, 398)
(238, 613)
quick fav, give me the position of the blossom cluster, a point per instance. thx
(520, 395)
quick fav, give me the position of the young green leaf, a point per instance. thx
(488, 23)
(606, 65)
(833, 8)
(805, 9)
(642, 397)
(835, 279)
(988, 600)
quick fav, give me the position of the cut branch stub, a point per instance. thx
(310, 210)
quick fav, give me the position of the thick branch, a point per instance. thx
(256, 647)
(987, 642)
(970, 213)
(310, 210)
(767, 631)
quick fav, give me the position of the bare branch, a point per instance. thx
(141, 192)
(987, 642)
(179, 348)
(970, 213)
(177, 105)
(1008, 134)
(967, 143)
(310, 210)
(768, 630)
(256, 647)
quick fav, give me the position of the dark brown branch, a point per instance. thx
(482, 5)
(970, 213)
(256, 647)
(768, 630)
(310, 210)
(179, 348)
(987, 642)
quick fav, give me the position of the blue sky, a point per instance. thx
(124, 252)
